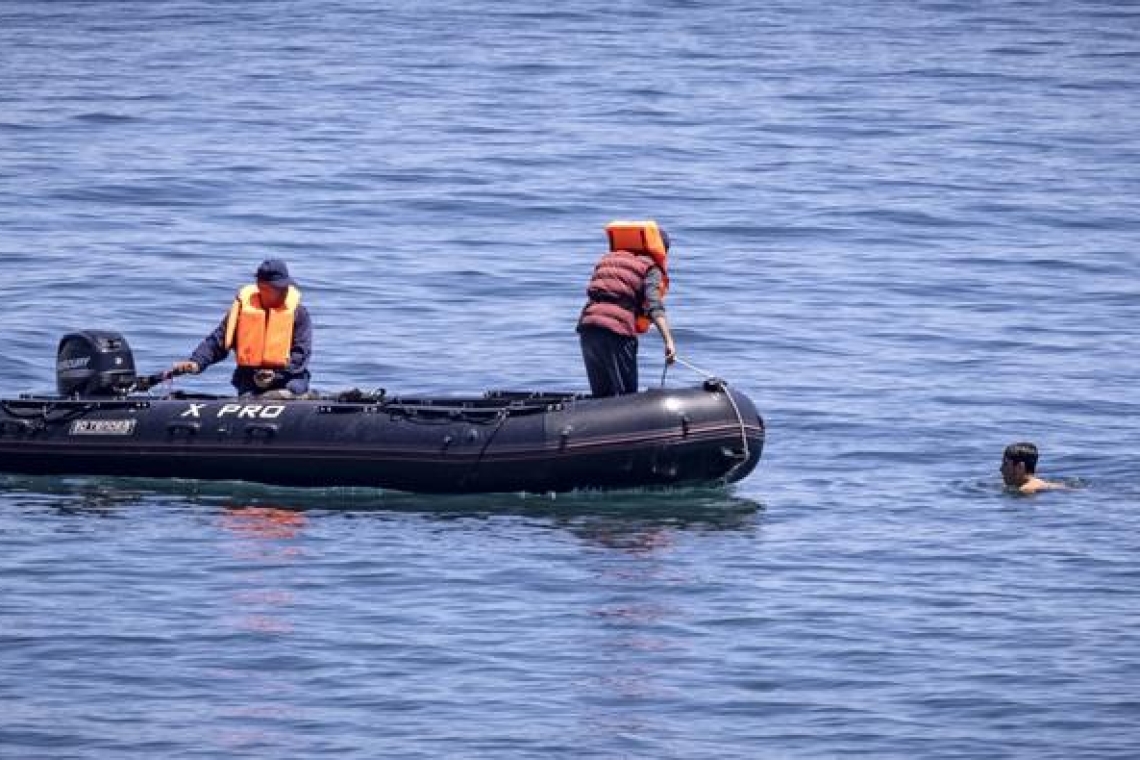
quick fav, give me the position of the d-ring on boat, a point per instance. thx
(104, 422)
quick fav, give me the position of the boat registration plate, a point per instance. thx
(103, 427)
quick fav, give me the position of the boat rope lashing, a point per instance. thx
(43, 415)
(715, 381)
(502, 417)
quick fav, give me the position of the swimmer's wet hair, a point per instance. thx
(1024, 452)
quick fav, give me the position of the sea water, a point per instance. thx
(907, 230)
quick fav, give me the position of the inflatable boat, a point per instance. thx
(105, 420)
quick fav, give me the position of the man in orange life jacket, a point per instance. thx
(270, 333)
(626, 294)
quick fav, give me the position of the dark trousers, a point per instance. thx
(242, 380)
(611, 361)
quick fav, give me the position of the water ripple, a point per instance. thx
(906, 230)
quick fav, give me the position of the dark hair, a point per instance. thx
(664, 237)
(1023, 452)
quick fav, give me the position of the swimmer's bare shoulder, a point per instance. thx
(1035, 485)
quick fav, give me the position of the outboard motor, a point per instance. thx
(94, 363)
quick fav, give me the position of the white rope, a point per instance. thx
(693, 367)
(731, 401)
(743, 433)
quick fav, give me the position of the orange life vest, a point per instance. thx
(261, 337)
(616, 293)
(641, 237)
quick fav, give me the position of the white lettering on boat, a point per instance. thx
(195, 410)
(252, 411)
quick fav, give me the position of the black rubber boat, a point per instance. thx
(100, 424)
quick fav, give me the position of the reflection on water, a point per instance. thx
(258, 522)
(261, 563)
(633, 630)
(713, 508)
(643, 606)
(266, 542)
(71, 495)
(264, 536)
(636, 538)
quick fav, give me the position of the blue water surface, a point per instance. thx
(907, 230)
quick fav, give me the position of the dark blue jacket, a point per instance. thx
(294, 377)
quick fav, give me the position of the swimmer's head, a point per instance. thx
(1022, 453)
(1018, 463)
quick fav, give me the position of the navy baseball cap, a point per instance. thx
(274, 272)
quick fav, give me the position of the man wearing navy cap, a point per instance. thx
(270, 333)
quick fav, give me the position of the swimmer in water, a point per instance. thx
(1018, 470)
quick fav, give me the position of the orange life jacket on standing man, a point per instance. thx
(261, 337)
(616, 286)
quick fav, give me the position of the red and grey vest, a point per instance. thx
(617, 294)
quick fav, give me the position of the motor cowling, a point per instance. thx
(94, 363)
